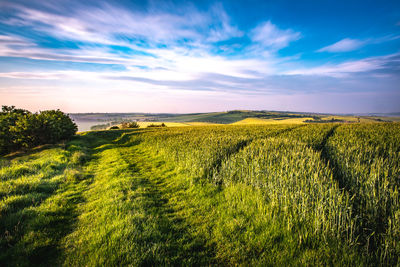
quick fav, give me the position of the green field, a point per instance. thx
(102, 121)
(274, 194)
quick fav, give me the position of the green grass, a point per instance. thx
(195, 196)
(228, 117)
(231, 116)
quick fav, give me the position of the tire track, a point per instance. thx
(366, 232)
(213, 171)
(178, 244)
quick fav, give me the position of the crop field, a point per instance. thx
(250, 121)
(273, 194)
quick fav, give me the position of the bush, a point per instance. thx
(114, 128)
(22, 129)
(127, 125)
(133, 124)
(8, 117)
(56, 126)
(156, 125)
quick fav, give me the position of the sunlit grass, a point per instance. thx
(226, 195)
(252, 121)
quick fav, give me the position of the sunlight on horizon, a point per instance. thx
(180, 57)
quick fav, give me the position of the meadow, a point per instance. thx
(267, 194)
(103, 121)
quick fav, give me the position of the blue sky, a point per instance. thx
(199, 56)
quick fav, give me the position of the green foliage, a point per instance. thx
(133, 124)
(22, 129)
(285, 195)
(55, 126)
(156, 125)
(129, 125)
(8, 117)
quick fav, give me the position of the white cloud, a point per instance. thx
(111, 24)
(344, 45)
(13, 40)
(269, 35)
(223, 29)
(346, 68)
(174, 57)
(98, 27)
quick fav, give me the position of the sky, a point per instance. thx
(201, 56)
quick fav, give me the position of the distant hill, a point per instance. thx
(87, 121)
(234, 116)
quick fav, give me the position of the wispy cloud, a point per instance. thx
(187, 40)
(347, 68)
(223, 28)
(344, 45)
(170, 49)
(269, 35)
(348, 44)
(112, 24)
(13, 40)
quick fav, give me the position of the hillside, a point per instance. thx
(228, 195)
(101, 121)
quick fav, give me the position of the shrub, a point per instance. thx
(55, 126)
(157, 125)
(8, 117)
(133, 124)
(22, 129)
(127, 125)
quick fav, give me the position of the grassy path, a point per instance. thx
(148, 197)
(127, 217)
(38, 197)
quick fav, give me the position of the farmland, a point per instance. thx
(102, 121)
(285, 194)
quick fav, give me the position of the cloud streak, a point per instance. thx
(344, 45)
(346, 69)
(176, 50)
(270, 36)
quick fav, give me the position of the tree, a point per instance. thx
(55, 126)
(133, 124)
(22, 129)
(9, 115)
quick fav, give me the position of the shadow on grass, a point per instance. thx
(35, 218)
(36, 215)
(178, 246)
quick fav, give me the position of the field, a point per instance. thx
(273, 194)
(102, 121)
(145, 124)
(250, 121)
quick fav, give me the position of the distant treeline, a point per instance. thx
(21, 129)
(319, 120)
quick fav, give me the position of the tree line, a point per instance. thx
(21, 129)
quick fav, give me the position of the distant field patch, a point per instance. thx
(271, 121)
(144, 124)
(351, 119)
(201, 124)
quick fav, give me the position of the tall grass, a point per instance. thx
(226, 195)
(367, 162)
(37, 206)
